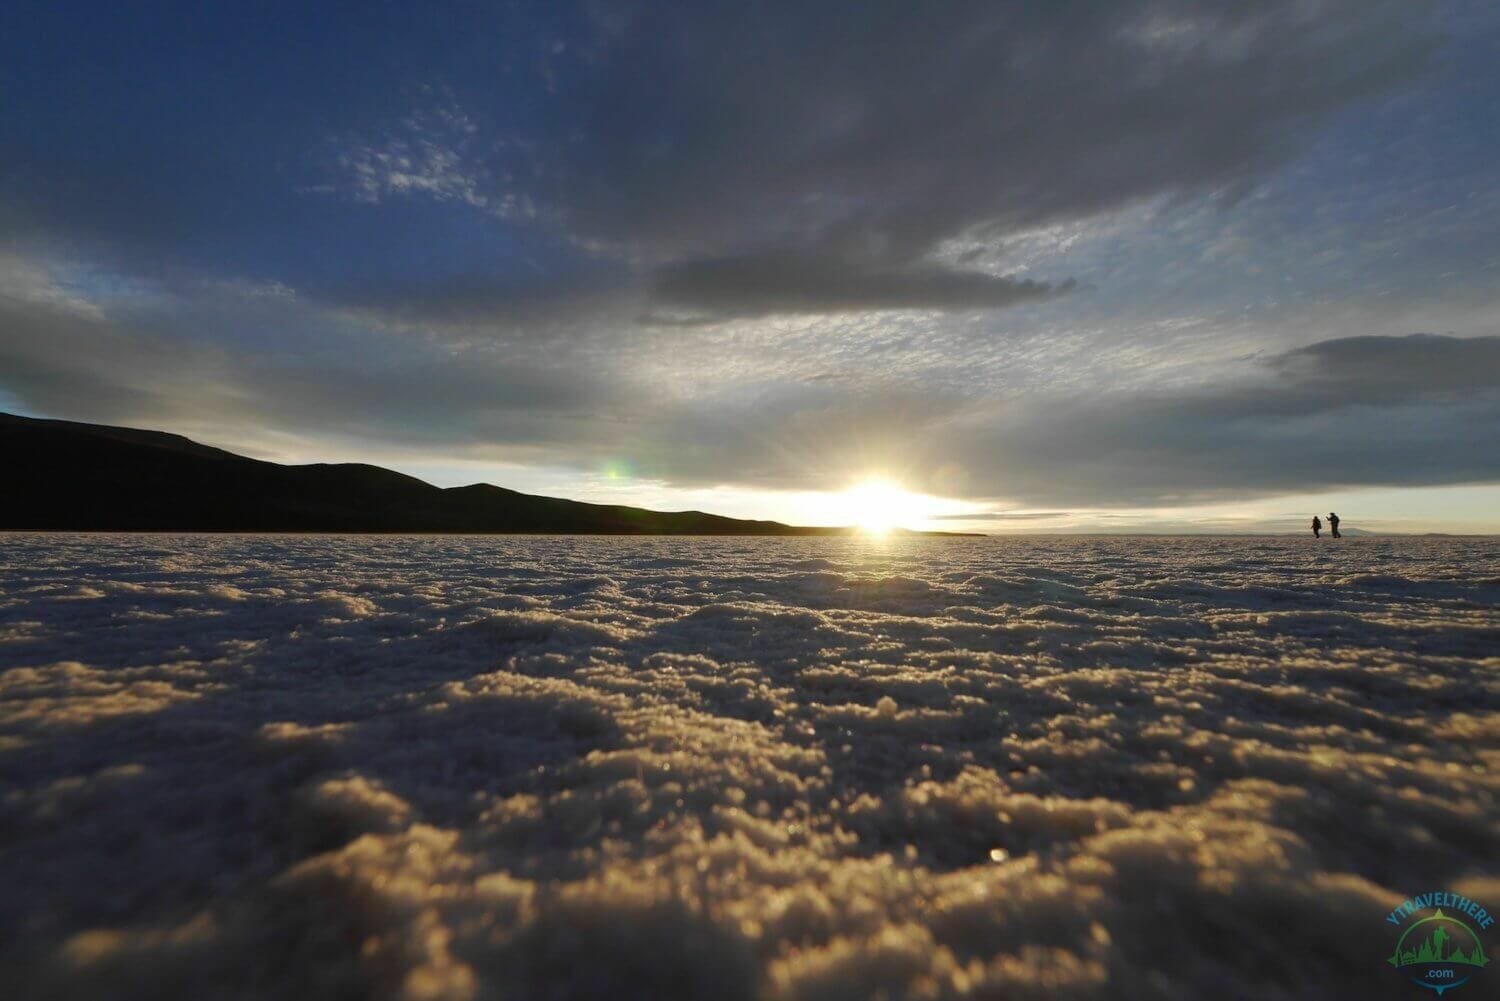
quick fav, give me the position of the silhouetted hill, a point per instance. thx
(65, 475)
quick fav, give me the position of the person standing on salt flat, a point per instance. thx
(1333, 523)
(1317, 527)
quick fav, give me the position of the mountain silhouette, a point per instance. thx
(62, 475)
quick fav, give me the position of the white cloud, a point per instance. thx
(436, 151)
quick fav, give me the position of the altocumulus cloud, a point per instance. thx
(780, 283)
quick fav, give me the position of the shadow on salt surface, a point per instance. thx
(1473, 592)
(240, 793)
(272, 714)
(1027, 590)
(1389, 636)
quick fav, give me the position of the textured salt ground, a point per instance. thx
(545, 767)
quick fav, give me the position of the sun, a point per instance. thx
(877, 505)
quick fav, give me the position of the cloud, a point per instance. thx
(1341, 412)
(793, 197)
(1299, 420)
(537, 307)
(1384, 369)
(434, 151)
(743, 145)
(201, 356)
(742, 160)
(1360, 411)
(1002, 516)
(751, 160)
(775, 283)
(937, 121)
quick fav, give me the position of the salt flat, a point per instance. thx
(821, 768)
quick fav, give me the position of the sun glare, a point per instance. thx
(878, 505)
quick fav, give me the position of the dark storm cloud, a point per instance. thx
(1370, 369)
(862, 138)
(897, 125)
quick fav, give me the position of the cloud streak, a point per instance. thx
(776, 283)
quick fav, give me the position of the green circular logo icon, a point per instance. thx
(1440, 952)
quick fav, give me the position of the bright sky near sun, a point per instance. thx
(981, 267)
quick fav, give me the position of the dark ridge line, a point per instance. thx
(71, 476)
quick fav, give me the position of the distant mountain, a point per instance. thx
(63, 475)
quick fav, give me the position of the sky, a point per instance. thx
(999, 267)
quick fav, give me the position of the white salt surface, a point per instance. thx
(684, 768)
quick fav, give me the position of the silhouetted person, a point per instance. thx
(1317, 527)
(1333, 524)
